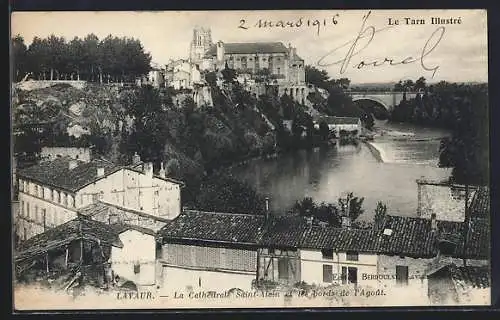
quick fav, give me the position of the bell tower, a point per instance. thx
(201, 42)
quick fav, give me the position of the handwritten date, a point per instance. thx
(317, 24)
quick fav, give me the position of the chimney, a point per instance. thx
(136, 159)
(100, 172)
(148, 169)
(433, 222)
(346, 222)
(267, 208)
(162, 170)
(309, 220)
(72, 164)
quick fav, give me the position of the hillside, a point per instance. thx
(103, 116)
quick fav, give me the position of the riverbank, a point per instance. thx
(376, 152)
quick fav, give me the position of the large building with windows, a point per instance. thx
(52, 192)
(282, 62)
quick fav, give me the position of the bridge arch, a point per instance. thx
(374, 99)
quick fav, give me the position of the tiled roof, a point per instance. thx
(285, 232)
(66, 233)
(470, 276)
(249, 47)
(141, 221)
(341, 239)
(138, 168)
(411, 237)
(414, 237)
(480, 205)
(338, 120)
(214, 227)
(56, 173)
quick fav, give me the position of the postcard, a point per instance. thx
(250, 159)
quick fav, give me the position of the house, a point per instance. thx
(462, 285)
(51, 192)
(340, 125)
(90, 247)
(395, 255)
(182, 74)
(80, 244)
(210, 251)
(135, 260)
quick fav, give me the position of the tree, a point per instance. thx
(325, 212)
(316, 77)
(420, 84)
(150, 128)
(380, 213)
(224, 193)
(228, 74)
(351, 206)
(19, 58)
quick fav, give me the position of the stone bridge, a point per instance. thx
(388, 99)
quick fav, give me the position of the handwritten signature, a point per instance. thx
(369, 32)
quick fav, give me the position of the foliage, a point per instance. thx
(463, 109)
(224, 193)
(328, 212)
(111, 59)
(351, 206)
(380, 213)
(323, 211)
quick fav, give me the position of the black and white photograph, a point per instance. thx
(250, 159)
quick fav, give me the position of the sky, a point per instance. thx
(451, 52)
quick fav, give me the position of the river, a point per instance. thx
(384, 171)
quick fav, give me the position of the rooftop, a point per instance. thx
(66, 233)
(249, 47)
(214, 227)
(411, 237)
(57, 173)
(403, 236)
(480, 205)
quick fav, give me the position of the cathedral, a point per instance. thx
(283, 63)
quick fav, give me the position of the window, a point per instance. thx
(137, 267)
(402, 275)
(44, 217)
(278, 70)
(28, 210)
(327, 253)
(349, 275)
(42, 192)
(283, 268)
(65, 199)
(21, 185)
(22, 208)
(37, 218)
(352, 256)
(327, 273)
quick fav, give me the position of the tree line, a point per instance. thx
(462, 109)
(111, 59)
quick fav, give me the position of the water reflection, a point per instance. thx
(327, 174)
